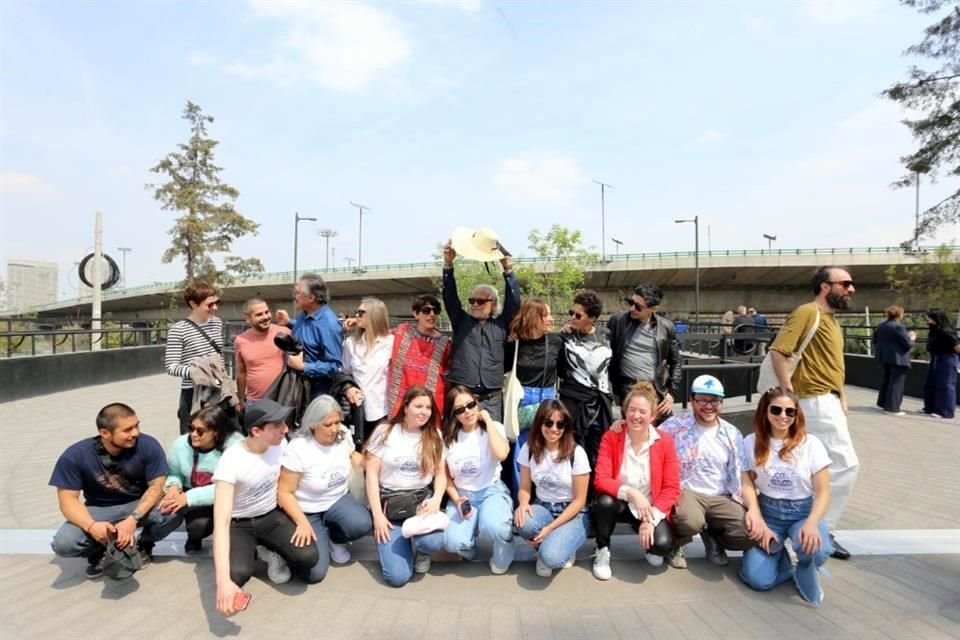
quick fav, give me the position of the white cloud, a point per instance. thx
(838, 11)
(467, 6)
(712, 136)
(540, 178)
(343, 46)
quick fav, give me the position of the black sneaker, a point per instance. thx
(715, 552)
(839, 552)
(95, 566)
(146, 552)
(193, 546)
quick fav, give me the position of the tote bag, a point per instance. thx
(512, 395)
(767, 378)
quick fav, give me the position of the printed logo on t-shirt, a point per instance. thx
(782, 479)
(408, 466)
(336, 479)
(470, 467)
(550, 483)
(265, 486)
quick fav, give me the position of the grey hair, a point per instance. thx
(318, 411)
(313, 285)
(494, 295)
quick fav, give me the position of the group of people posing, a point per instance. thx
(440, 466)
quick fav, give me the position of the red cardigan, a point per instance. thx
(664, 469)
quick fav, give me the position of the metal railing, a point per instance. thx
(37, 343)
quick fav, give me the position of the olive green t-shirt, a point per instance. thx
(821, 370)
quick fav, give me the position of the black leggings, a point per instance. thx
(199, 522)
(608, 511)
(273, 531)
(183, 409)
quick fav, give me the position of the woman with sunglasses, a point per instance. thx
(637, 481)
(479, 500)
(790, 469)
(199, 335)
(192, 459)
(313, 486)
(537, 352)
(551, 460)
(366, 358)
(404, 459)
(584, 371)
(421, 355)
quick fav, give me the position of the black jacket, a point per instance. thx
(891, 344)
(668, 378)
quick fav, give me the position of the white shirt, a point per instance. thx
(788, 479)
(554, 480)
(710, 466)
(324, 469)
(399, 458)
(369, 371)
(635, 473)
(253, 476)
(470, 461)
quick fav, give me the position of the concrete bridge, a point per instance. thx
(773, 281)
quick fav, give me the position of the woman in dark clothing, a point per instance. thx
(940, 388)
(891, 345)
(539, 350)
(583, 371)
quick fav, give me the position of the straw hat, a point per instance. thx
(478, 244)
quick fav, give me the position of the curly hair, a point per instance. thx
(590, 302)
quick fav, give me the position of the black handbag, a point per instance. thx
(401, 505)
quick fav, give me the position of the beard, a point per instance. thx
(839, 302)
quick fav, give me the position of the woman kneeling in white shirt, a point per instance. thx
(476, 445)
(551, 460)
(791, 470)
(313, 486)
(404, 456)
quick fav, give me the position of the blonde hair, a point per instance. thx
(378, 321)
(641, 390)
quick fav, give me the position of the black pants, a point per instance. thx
(608, 511)
(199, 522)
(891, 387)
(273, 531)
(183, 410)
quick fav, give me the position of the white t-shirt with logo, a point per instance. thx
(788, 479)
(470, 461)
(253, 476)
(324, 469)
(399, 458)
(709, 468)
(554, 480)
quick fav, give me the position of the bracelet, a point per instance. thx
(90, 526)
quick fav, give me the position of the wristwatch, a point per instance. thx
(137, 516)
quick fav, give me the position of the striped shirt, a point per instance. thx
(185, 344)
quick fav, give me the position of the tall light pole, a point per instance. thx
(603, 219)
(361, 209)
(349, 261)
(916, 228)
(124, 251)
(770, 241)
(618, 243)
(327, 234)
(297, 218)
(696, 258)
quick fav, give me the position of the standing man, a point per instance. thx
(121, 474)
(645, 349)
(259, 360)
(818, 381)
(318, 330)
(476, 360)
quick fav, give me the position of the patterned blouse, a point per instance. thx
(683, 430)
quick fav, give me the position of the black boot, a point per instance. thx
(839, 552)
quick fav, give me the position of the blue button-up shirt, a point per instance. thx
(322, 338)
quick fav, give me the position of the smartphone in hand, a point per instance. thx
(465, 508)
(775, 547)
(241, 600)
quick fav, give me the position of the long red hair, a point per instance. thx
(763, 431)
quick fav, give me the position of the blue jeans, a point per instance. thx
(492, 516)
(560, 544)
(396, 554)
(345, 521)
(70, 541)
(763, 571)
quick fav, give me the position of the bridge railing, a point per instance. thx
(37, 343)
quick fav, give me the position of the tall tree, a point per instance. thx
(934, 282)
(208, 223)
(934, 95)
(568, 259)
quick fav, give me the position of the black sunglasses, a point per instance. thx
(427, 309)
(359, 312)
(559, 424)
(575, 314)
(636, 305)
(846, 284)
(777, 410)
(459, 411)
(479, 301)
(200, 431)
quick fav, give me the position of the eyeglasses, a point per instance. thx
(200, 431)
(558, 425)
(479, 302)
(713, 400)
(429, 311)
(211, 305)
(470, 406)
(359, 312)
(776, 410)
(636, 305)
(575, 314)
(846, 284)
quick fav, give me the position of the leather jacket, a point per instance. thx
(668, 377)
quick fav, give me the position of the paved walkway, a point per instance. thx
(908, 481)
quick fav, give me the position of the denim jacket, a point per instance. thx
(683, 430)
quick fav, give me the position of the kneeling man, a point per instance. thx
(120, 473)
(711, 456)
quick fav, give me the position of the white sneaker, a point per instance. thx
(601, 564)
(421, 563)
(497, 571)
(654, 560)
(339, 553)
(569, 563)
(277, 568)
(543, 570)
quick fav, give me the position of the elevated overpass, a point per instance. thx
(773, 281)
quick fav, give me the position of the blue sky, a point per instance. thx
(759, 117)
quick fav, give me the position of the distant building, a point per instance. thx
(30, 283)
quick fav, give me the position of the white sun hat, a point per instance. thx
(480, 244)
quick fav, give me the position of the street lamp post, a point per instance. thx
(124, 251)
(696, 262)
(361, 209)
(603, 219)
(297, 218)
(619, 244)
(327, 234)
(349, 261)
(770, 241)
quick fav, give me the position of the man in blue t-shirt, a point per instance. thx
(121, 474)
